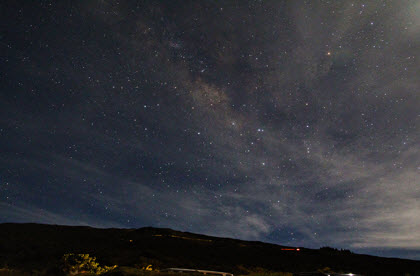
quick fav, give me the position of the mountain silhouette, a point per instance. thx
(39, 247)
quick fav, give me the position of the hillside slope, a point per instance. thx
(37, 246)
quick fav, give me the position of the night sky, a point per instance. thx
(291, 122)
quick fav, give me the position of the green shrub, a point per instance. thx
(82, 263)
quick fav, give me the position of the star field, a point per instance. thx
(292, 122)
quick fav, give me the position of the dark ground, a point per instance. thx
(36, 247)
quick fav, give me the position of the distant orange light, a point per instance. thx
(328, 53)
(291, 249)
(298, 249)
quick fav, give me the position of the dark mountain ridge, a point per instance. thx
(38, 246)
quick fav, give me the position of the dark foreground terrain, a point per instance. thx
(36, 248)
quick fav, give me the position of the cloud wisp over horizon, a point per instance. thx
(288, 122)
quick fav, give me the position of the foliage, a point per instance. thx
(149, 264)
(264, 272)
(148, 268)
(83, 263)
(326, 270)
(11, 272)
(271, 274)
(335, 250)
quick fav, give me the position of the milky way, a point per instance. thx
(292, 122)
